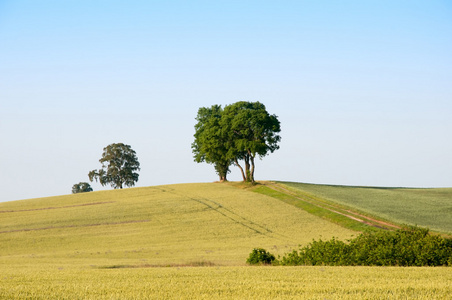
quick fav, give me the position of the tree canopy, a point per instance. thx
(119, 166)
(242, 131)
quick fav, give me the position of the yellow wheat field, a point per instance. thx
(229, 283)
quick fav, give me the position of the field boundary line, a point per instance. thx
(56, 207)
(74, 226)
(324, 205)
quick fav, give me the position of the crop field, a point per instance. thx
(430, 208)
(186, 241)
(228, 283)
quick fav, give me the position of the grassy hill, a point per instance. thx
(117, 244)
(192, 224)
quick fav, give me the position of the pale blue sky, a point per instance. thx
(363, 89)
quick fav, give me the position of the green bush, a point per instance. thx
(333, 253)
(411, 246)
(260, 256)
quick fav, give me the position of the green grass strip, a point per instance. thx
(313, 209)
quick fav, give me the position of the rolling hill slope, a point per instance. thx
(190, 224)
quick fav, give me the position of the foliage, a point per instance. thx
(252, 132)
(242, 131)
(411, 246)
(210, 140)
(119, 166)
(260, 256)
(331, 253)
(81, 187)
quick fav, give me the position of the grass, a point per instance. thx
(313, 207)
(430, 208)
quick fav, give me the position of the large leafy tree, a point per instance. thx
(210, 140)
(242, 131)
(252, 132)
(119, 166)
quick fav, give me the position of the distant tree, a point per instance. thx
(252, 132)
(240, 131)
(119, 166)
(81, 187)
(210, 140)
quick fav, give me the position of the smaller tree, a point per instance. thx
(119, 166)
(81, 187)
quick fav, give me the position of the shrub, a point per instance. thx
(260, 256)
(333, 252)
(411, 246)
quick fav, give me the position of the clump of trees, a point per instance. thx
(240, 132)
(411, 246)
(81, 187)
(119, 167)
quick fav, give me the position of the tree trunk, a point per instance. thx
(247, 168)
(252, 168)
(240, 167)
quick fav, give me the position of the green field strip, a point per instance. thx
(316, 209)
(335, 207)
(426, 207)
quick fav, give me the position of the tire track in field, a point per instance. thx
(236, 218)
(227, 213)
(220, 207)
